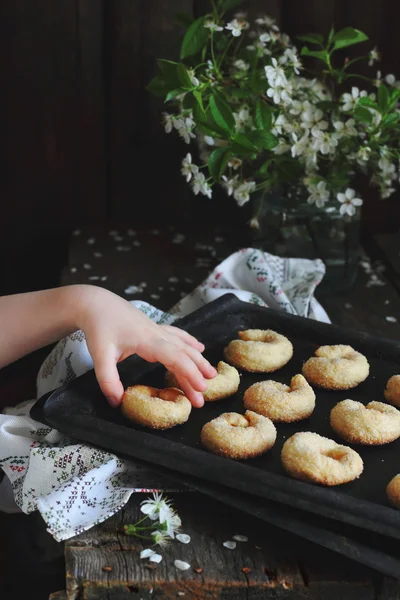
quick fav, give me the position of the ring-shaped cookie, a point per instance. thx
(239, 436)
(393, 491)
(310, 457)
(225, 384)
(259, 351)
(279, 402)
(155, 408)
(392, 391)
(375, 424)
(337, 367)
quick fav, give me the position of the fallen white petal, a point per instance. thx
(156, 558)
(240, 538)
(183, 538)
(146, 553)
(181, 565)
(87, 266)
(391, 319)
(230, 545)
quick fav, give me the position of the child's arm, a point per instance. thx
(114, 329)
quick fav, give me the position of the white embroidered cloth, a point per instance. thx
(75, 486)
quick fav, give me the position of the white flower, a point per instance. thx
(242, 118)
(157, 508)
(209, 140)
(349, 202)
(161, 538)
(290, 56)
(265, 21)
(230, 184)
(237, 26)
(168, 121)
(184, 127)
(265, 38)
(281, 148)
(313, 117)
(345, 128)
(213, 26)
(235, 163)
(193, 79)
(300, 145)
(201, 186)
(241, 65)
(172, 525)
(319, 195)
(260, 47)
(323, 142)
(275, 74)
(243, 191)
(390, 79)
(188, 169)
(350, 100)
(363, 155)
(373, 56)
(280, 89)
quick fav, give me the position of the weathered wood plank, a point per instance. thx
(273, 568)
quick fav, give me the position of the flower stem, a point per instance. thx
(225, 52)
(213, 55)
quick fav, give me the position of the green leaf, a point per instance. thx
(226, 5)
(390, 120)
(217, 162)
(195, 39)
(242, 140)
(222, 114)
(184, 78)
(383, 97)
(173, 94)
(348, 37)
(263, 116)
(312, 38)
(240, 92)
(363, 114)
(263, 139)
(199, 99)
(365, 101)
(320, 54)
(206, 123)
(395, 95)
(158, 87)
(169, 71)
(184, 18)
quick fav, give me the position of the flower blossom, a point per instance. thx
(349, 202)
(188, 168)
(243, 191)
(237, 26)
(212, 26)
(319, 195)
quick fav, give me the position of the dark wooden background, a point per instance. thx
(81, 138)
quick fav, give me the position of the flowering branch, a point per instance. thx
(259, 122)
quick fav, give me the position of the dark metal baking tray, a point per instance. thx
(80, 410)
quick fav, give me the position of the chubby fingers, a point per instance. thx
(184, 336)
(108, 377)
(196, 398)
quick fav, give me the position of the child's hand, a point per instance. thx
(115, 329)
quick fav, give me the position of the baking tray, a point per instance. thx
(80, 410)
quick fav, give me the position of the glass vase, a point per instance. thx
(288, 226)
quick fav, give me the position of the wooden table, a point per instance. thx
(160, 267)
